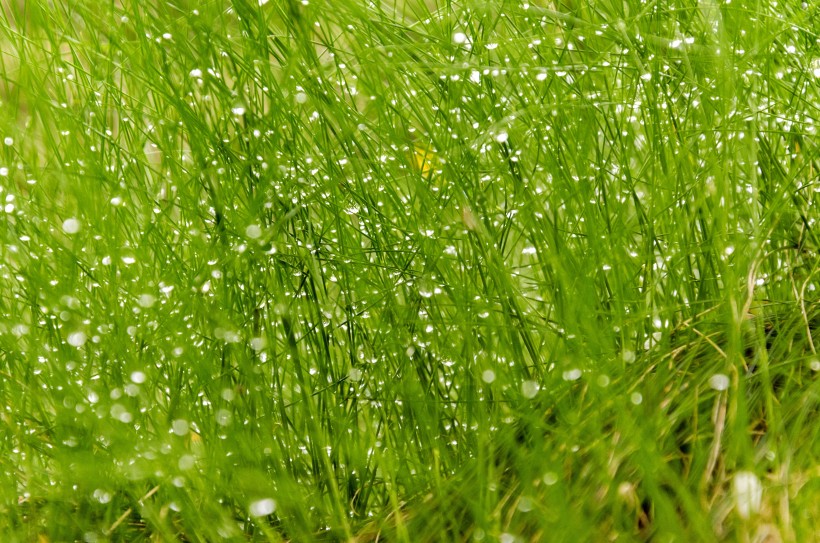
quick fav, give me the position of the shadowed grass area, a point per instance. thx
(409, 271)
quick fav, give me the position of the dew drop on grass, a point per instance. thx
(354, 375)
(253, 231)
(77, 339)
(529, 389)
(502, 137)
(180, 427)
(71, 226)
(719, 381)
(146, 300)
(137, 377)
(572, 375)
(488, 376)
(748, 493)
(815, 365)
(549, 478)
(102, 496)
(196, 72)
(636, 398)
(525, 504)
(186, 462)
(224, 417)
(459, 38)
(262, 508)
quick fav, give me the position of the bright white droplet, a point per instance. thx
(253, 231)
(301, 97)
(815, 365)
(8, 141)
(488, 376)
(572, 375)
(180, 427)
(238, 111)
(719, 381)
(355, 375)
(137, 377)
(502, 137)
(224, 417)
(196, 72)
(459, 38)
(529, 389)
(262, 508)
(748, 493)
(77, 339)
(146, 300)
(71, 226)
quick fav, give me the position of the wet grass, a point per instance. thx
(412, 271)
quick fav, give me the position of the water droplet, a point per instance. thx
(137, 377)
(502, 137)
(102, 496)
(459, 38)
(224, 417)
(77, 339)
(525, 504)
(719, 381)
(180, 427)
(186, 462)
(488, 376)
(262, 508)
(572, 375)
(253, 231)
(529, 389)
(146, 300)
(71, 226)
(748, 493)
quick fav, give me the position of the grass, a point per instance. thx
(409, 271)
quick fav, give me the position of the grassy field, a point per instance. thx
(409, 271)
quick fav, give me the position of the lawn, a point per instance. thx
(409, 270)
